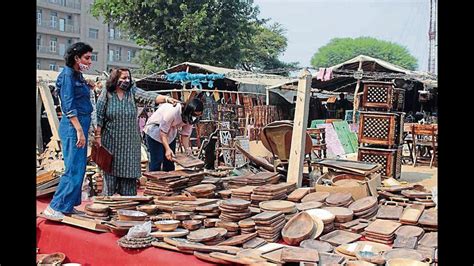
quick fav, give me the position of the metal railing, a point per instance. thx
(47, 24)
(74, 4)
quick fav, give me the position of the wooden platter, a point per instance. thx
(382, 227)
(299, 255)
(201, 235)
(342, 214)
(179, 232)
(298, 228)
(338, 198)
(278, 205)
(320, 246)
(405, 242)
(363, 204)
(96, 207)
(315, 196)
(390, 211)
(339, 237)
(403, 253)
(412, 213)
(308, 205)
(409, 231)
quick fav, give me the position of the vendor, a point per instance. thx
(342, 105)
(161, 130)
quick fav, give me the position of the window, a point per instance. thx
(129, 55)
(94, 57)
(38, 64)
(52, 66)
(54, 19)
(111, 55)
(118, 54)
(52, 45)
(39, 15)
(62, 25)
(62, 2)
(39, 42)
(93, 33)
(111, 33)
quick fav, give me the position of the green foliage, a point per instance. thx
(339, 50)
(223, 33)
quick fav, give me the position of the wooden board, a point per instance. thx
(412, 213)
(389, 212)
(188, 161)
(254, 243)
(330, 259)
(334, 145)
(339, 237)
(356, 167)
(383, 227)
(167, 246)
(429, 218)
(238, 240)
(429, 240)
(405, 242)
(409, 231)
(86, 224)
(298, 228)
(179, 232)
(266, 215)
(299, 255)
(235, 259)
(342, 132)
(208, 258)
(299, 193)
(274, 255)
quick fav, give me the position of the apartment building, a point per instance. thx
(60, 23)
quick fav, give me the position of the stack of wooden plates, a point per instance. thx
(237, 181)
(342, 215)
(214, 181)
(382, 231)
(247, 226)
(326, 216)
(286, 207)
(298, 228)
(97, 211)
(339, 199)
(234, 210)
(267, 192)
(129, 215)
(211, 210)
(316, 196)
(263, 178)
(206, 235)
(115, 205)
(225, 194)
(365, 208)
(269, 224)
(194, 178)
(232, 229)
(244, 192)
(202, 190)
(165, 183)
(133, 243)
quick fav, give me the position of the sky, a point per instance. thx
(311, 24)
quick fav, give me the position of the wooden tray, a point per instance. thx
(363, 204)
(409, 231)
(383, 227)
(308, 205)
(412, 213)
(320, 246)
(278, 205)
(339, 237)
(267, 215)
(405, 242)
(254, 243)
(315, 196)
(338, 198)
(429, 218)
(299, 255)
(390, 211)
(429, 240)
(298, 228)
(403, 253)
(237, 204)
(188, 161)
(299, 193)
(208, 258)
(238, 240)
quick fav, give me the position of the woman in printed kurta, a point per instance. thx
(117, 130)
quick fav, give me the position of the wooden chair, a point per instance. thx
(318, 136)
(425, 138)
(276, 137)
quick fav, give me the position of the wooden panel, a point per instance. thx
(334, 146)
(342, 131)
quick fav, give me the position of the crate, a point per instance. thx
(382, 96)
(381, 128)
(390, 159)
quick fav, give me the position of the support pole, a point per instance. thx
(356, 97)
(39, 132)
(295, 168)
(47, 99)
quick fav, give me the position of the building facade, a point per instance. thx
(60, 23)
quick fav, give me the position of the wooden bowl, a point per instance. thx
(211, 222)
(167, 225)
(56, 258)
(181, 215)
(97, 207)
(149, 209)
(118, 231)
(131, 215)
(191, 224)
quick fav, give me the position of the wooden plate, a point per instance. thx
(298, 228)
(179, 232)
(363, 204)
(338, 198)
(284, 206)
(148, 209)
(403, 253)
(383, 227)
(325, 215)
(308, 205)
(339, 237)
(320, 246)
(97, 207)
(316, 196)
(409, 231)
(202, 188)
(340, 213)
(201, 235)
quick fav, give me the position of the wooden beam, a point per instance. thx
(39, 132)
(295, 168)
(356, 97)
(48, 102)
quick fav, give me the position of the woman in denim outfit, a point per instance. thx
(76, 109)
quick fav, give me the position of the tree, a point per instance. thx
(339, 50)
(148, 61)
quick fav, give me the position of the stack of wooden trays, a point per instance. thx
(326, 216)
(299, 194)
(115, 205)
(214, 181)
(237, 181)
(288, 208)
(164, 183)
(365, 208)
(232, 229)
(195, 178)
(202, 190)
(339, 199)
(342, 214)
(381, 231)
(244, 192)
(205, 236)
(263, 178)
(247, 226)
(316, 196)
(97, 211)
(429, 220)
(211, 210)
(234, 210)
(269, 225)
(225, 194)
(268, 192)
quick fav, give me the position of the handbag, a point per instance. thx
(102, 157)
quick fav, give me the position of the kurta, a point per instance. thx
(120, 131)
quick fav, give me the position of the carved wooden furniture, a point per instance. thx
(382, 96)
(319, 143)
(424, 136)
(381, 128)
(390, 159)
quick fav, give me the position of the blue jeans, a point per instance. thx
(157, 155)
(68, 193)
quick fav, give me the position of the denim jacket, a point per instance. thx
(74, 93)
